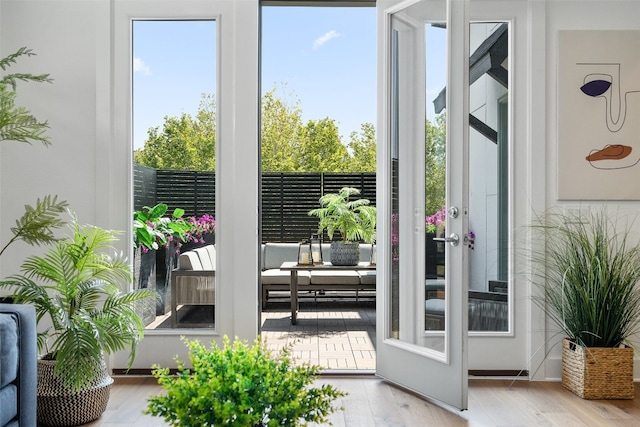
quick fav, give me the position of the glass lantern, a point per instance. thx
(304, 253)
(374, 254)
(316, 250)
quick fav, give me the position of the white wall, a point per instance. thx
(66, 45)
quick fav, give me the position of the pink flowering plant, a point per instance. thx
(437, 221)
(152, 229)
(198, 227)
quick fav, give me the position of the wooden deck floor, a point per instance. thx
(334, 335)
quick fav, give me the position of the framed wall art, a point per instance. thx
(599, 115)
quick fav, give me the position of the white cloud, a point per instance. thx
(140, 66)
(325, 38)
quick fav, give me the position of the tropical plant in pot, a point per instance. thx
(82, 316)
(355, 220)
(241, 385)
(588, 271)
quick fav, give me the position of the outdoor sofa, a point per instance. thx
(275, 279)
(193, 281)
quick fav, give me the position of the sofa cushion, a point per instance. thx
(8, 403)
(211, 250)
(8, 349)
(365, 252)
(333, 277)
(277, 253)
(275, 276)
(189, 261)
(205, 258)
(367, 277)
(435, 306)
(8, 367)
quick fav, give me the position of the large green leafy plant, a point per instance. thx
(354, 219)
(77, 286)
(589, 269)
(241, 385)
(153, 229)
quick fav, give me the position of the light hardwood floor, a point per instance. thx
(374, 403)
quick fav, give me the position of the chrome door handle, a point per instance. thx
(453, 239)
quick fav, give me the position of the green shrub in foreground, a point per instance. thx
(241, 385)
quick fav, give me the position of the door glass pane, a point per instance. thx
(435, 180)
(418, 189)
(174, 138)
(488, 180)
(488, 177)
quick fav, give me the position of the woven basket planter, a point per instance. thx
(57, 406)
(597, 373)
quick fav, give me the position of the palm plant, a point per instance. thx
(354, 219)
(16, 122)
(590, 277)
(37, 224)
(77, 286)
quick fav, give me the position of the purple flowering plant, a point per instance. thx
(198, 227)
(433, 223)
(437, 221)
(152, 229)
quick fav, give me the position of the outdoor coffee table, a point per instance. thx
(294, 267)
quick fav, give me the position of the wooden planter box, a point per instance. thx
(597, 373)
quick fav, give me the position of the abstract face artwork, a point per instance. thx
(607, 88)
(599, 115)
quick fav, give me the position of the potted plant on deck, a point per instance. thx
(354, 219)
(589, 271)
(158, 238)
(83, 315)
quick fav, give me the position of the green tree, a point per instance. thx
(280, 133)
(183, 143)
(363, 149)
(320, 148)
(287, 145)
(435, 163)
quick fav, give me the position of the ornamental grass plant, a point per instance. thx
(241, 385)
(589, 269)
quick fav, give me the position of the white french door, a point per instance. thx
(422, 338)
(237, 157)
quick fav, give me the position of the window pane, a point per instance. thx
(174, 139)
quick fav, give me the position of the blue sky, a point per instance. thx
(324, 57)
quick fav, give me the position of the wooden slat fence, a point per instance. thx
(286, 196)
(144, 187)
(193, 191)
